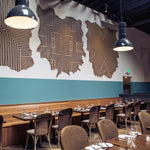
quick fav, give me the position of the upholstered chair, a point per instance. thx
(137, 107)
(127, 115)
(93, 118)
(64, 119)
(148, 107)
(144, 119)
(42, 126)
(107, 129)
(109, 113)
(73, 137)
(1, 127)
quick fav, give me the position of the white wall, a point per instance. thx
(41, 67)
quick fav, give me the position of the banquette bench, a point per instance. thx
(14, 130)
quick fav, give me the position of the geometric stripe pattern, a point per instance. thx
(14, 44)
(100, 47)
(61, 41)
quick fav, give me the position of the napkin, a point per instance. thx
(124, 136)
(87, 109)
(106, 144)
(93, 147)
(26, 114)
(103, 108)
(27, 117)
(77, 108)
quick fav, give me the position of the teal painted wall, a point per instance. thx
(20, 90)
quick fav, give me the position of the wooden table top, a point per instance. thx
(30, 116)
(103, 108)
(140, 143)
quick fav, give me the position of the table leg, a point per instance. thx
(82, 116)
(53, 132)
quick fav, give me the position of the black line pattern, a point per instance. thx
(14, 44)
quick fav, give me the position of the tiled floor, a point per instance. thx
(54, 147)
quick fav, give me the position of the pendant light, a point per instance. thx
(123, 44)
(21, 16)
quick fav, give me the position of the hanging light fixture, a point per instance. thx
(123, 44)
(21, 16)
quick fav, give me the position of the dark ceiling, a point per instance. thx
(136, 13)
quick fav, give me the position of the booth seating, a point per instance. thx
(14, 130)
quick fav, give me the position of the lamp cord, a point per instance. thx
(121, 10)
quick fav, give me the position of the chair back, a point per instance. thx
(64, 118)
(1, 126)
(94, 114)
(110, 112)
(148, 107)
(42, 124)
(73, 137)
(107, 129)
(144, 119)
(128, 110)
(137, 106)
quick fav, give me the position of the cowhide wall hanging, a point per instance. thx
(14, 44)
(61, 41)
(100, 42)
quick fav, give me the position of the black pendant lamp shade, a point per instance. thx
(21, 16)
(123, 44)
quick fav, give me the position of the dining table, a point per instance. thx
(31, 117)
(138, 143)
(85, 110)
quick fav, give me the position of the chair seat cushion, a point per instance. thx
(85, 121)
(121, 115)
(31, 131)
(102, 117)
(55, 126)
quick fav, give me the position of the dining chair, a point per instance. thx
(127, 115)
(109, 113)
(42, 126)
(1, 127)
(107, 129)
(136, 107)
(64, 119)
(73, 137)
(144, 119)
(93, 118)
(148, 107)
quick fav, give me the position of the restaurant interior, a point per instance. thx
(74, 75)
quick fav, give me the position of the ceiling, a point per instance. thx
(136, 13)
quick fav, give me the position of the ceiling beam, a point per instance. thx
(141, 23)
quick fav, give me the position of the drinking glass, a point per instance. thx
(131, 139)
(126, 101)
(22, 111)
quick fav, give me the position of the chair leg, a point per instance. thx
(1, 145)
(48, 138)
(90, 131)
(131, 121)
(35, 140)
(27, 142)
(58, 139)
(134, 118)
(117, 120)
(126, 123)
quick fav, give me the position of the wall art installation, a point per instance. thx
(14, 44)
(100, 42)
(61, 41)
